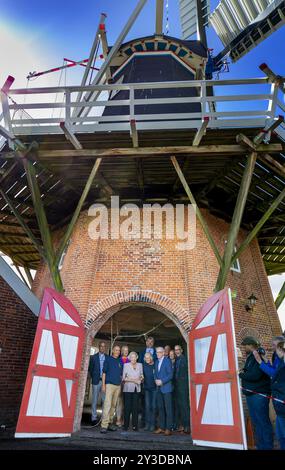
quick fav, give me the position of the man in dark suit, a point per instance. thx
(96, 370)
(163, 374)
(181, 390)
(149, 347)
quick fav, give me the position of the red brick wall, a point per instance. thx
(17, 331)
(99, 276)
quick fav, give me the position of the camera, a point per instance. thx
(261, 351)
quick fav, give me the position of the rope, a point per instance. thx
(140, 335)
(22, 112)
(59, 82)
(263, 395)
(94, 62)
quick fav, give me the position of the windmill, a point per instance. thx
(150, 127)
(240, 24)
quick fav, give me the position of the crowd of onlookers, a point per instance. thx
(153, 383)
(262, 381)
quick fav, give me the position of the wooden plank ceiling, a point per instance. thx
(214, 180)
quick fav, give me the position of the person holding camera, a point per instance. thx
(278, 394)
(256, 384)
(267, 367)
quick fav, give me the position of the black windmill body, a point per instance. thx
(157, 60)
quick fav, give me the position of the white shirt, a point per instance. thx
(159, 363)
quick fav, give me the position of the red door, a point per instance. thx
(216, 407)
(49, 399)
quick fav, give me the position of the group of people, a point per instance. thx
(262, 381)
(155, 382)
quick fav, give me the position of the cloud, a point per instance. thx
(276, 283)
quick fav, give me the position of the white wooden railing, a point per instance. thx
(237, 103)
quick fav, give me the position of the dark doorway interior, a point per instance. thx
(129, 326)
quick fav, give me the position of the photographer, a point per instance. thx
(266, 367)
(278, 394)
(255, 382)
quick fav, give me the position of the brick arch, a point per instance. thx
(101, 311)
(251, 331)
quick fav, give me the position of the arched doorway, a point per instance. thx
(129, 324)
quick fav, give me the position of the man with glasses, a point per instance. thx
(96, 371)
(163, 375)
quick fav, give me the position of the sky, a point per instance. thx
(36, 36)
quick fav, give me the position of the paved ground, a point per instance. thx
(91, 439)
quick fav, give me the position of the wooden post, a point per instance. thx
(259, 225)
(199, 215)
(280, 297)
(23, 223)
(43, 223)
(77, 211)
(159, 16)
(29, 276)
(21, 275)
(236, 221)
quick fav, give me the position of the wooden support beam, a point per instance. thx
(260, 137)
(274, 164)
(8, 171)
(273, 252)
(200, 132)
(159, 16)
(277, 270)
(246, 142)
(6, 133)
(236, 221)
(198, 212)
(76, 214)
(139, 166)
(70, 136)
(233, 150)
(104, 41)
(14, 244)
(106, 187)
(21, 275)
(215, 181)
(29, 275)
(78, 146)
(273, 78)
(43, 223)
(134, 133)
(6, 111)
(280, 297)
(271, 245)
(12, 234)
(23, 224)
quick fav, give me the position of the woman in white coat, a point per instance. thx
(132, 379)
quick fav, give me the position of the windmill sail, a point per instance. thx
(189, 14)
(242, 24)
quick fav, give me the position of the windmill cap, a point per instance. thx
(250, 340)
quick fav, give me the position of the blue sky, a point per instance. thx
(66, 29)
(37, 35)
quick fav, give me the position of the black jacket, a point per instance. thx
(253, 378)
(278, 389)
(181, 372)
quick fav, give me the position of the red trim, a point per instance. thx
(34, 424)
(8, 83)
